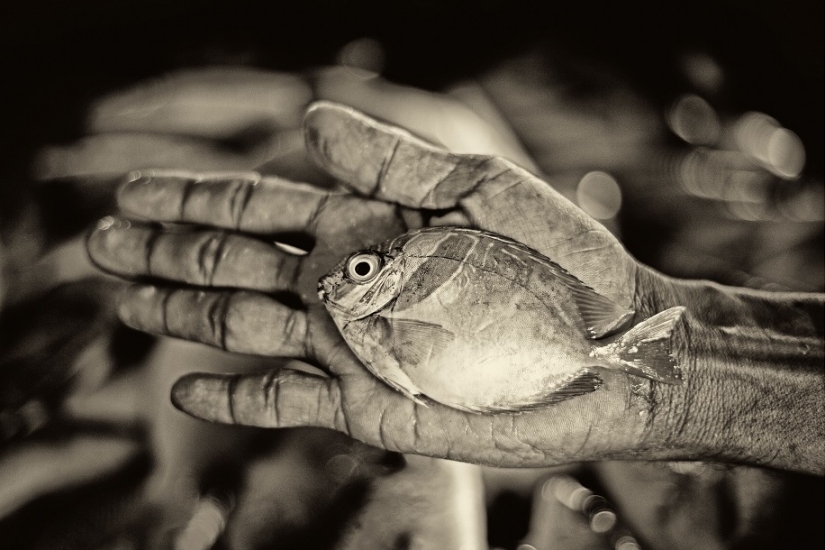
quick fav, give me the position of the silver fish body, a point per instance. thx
(482, 323)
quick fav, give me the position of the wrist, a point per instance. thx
(752, 369)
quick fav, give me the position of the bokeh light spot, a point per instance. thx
(599, 195)
(694, 120)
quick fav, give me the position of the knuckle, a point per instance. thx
(210, 253)
(294, 326)
(489, 168)
(239, 198)
(387, 162)
(340, 420)
(315, 216)
(166, 310)
(151, 252)
(233, 398)
(187, 192)
(218, 319)
(416, 438)
(274, 404)
(385, 435)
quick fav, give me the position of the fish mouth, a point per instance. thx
(324, 289)
(327, 286)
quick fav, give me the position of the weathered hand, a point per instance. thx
(239, 272)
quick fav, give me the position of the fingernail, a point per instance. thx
(132, 181)
(112, 222)
(135, 176)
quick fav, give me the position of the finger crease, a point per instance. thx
(232, 384)
(276, 401)
(416, 429)
(164, 311)
(208, 257)
(217, 256)
(269, 382)
(321, 404)
(385, 166)
(216, 316)
(315, 215)
(492, 177)
(290, 325)
(515, 183)
(151, 244)
(188, 188)
(428, 200)
(339, 421)
(240, 201)
(400, 217)
(383, 436)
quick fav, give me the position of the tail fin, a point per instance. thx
(645, 350)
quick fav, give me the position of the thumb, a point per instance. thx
(388, 163)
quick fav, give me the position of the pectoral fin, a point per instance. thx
(378, 359)
(415, 342)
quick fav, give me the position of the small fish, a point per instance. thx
(482, 323)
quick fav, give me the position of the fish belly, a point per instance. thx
(512, 345)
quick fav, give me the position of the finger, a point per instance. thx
(213, 103)
(119, 153)
(279, 399)
(437, 118)
(555, 525)
(387, 163)
(243, 322)
(245, 202)
(437, 503)
(204, 258)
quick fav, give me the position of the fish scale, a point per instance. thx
(482, 323)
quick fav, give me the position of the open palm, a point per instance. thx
(222, 250)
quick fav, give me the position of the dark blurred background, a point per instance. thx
(693, 131)
(762, 56)
(60, 55)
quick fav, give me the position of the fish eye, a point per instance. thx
(363, 267)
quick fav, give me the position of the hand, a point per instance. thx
(188, 119)
(239, 272)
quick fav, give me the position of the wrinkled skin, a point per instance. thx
(386, 167)
(124, 138)
(730, 374)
